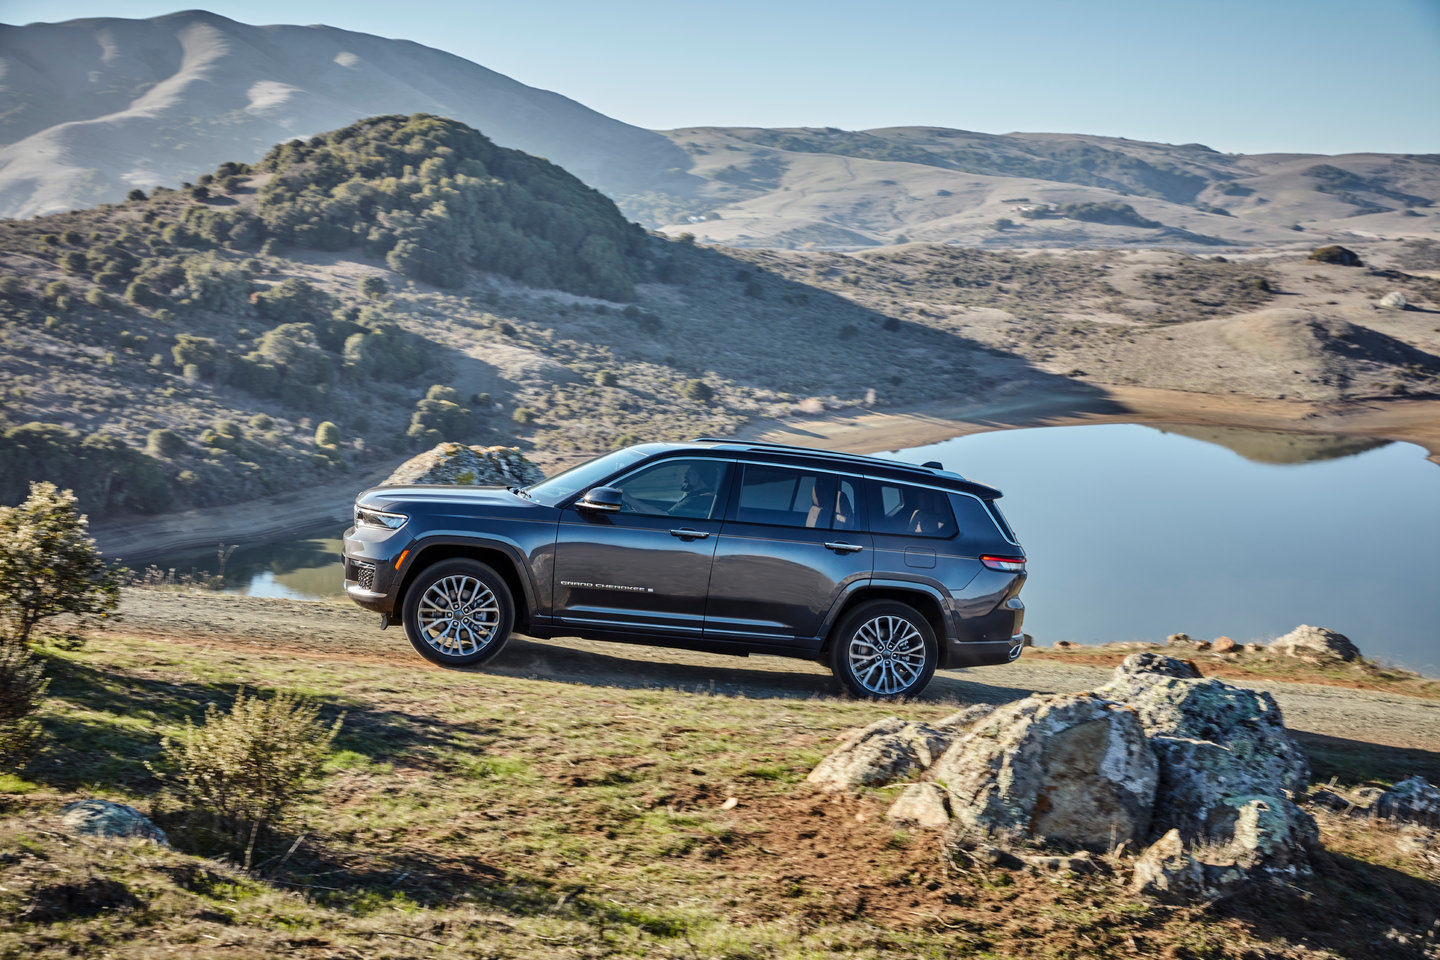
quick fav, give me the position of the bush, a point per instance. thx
(22, 684)
(244, 770)
(373, 286)
(49, 565)
(261, 421)
(327, 435)
(697, 390)
(164, 443)
(1336, 254)
(135, 195)
(439, 416)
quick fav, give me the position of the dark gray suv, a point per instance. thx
(883, 570)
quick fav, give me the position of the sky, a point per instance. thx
(1322, 76)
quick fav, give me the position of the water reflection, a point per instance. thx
(1136, 532)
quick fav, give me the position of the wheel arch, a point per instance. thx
(498, 556)
(925, 600)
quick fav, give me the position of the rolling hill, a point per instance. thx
(90, 109)
(829, 188)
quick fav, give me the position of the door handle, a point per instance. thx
(844, 547)
(685, 533)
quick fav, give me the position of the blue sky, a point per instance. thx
(1324, 76)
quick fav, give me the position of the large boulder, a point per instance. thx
(1415, 799)
(887, 750)
(1315, 645)
(1073, 769)
(455, 463)
(110, 821)
(922, 804)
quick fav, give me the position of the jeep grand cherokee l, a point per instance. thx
(883, 570)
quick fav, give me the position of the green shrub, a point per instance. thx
(22, 686)
(49, 566)
(1334, 253)
(242, 771)
(606, 378)
(697, 390)
(261, 422)
(439, 416)
(374, 286)
(327, 435)
(135, 195)
(105, 474)
(164, 443)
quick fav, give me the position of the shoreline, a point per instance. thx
(139, 539)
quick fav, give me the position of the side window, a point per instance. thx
(784, 497)
(690, 489)
(899, 509)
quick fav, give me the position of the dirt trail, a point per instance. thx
(337, 630)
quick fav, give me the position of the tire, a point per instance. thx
(859, 642)
(485, 608)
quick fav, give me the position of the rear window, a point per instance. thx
(899, 509)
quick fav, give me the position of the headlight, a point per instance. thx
(379, 518)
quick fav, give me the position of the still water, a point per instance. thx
(1136, 532)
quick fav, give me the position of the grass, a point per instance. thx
(480, 815)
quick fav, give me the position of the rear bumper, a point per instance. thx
(991, 639)
(985, 653)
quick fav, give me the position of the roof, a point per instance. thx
(893, 469)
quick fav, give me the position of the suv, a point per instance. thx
(883, 570)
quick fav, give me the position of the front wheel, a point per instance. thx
(884, 650)
(458, 613)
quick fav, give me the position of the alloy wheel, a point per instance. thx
(458, 615)
(887, 655)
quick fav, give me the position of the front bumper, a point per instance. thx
(372, 560)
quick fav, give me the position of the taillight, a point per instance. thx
(1008, 564)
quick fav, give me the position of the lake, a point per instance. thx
(1135, 532)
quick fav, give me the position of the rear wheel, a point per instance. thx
(884, 650)
(458, 613)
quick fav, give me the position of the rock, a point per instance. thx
(1057, 866)
(1416, 800)
(1202, 644)
(455, 463)
(1065, 645)
(921, 804)
(1315, 645)
(101, 818)
(1073, 769)
(1166, 870)
(1179, 640)
(963, 719)
(1272, 835)
(1223, 645)
(887, 750)
(1330, 800)
(1254, 647)
(1336, 254)
(1394, 300)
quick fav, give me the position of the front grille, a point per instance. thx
(360, 572)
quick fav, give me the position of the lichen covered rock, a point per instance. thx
(1073, 769)
(456, 463)
(1416, 800)
(1315, 645)
(887, 750)
(922, 804)
(111, 821)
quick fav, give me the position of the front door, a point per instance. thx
(646, 568)
(792, 543)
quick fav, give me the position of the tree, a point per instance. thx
(135, 195)
(49, 565)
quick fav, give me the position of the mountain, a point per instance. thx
(90, 109)
(841, 189)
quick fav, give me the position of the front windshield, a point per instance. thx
(552, 490)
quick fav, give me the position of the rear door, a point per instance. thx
(793, 540)
(646, 568)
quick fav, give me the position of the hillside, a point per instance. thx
(851, 189)
(96, 107)
(306, 320)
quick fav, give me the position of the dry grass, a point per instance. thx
(476, 814)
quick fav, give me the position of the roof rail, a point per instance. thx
(814, 452)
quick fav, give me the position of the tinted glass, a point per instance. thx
(902, 510)
(583, 476)
(783, 497)
(674, 488)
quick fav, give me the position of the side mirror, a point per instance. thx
(601, 500)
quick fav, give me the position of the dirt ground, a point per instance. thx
(1335, 717)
